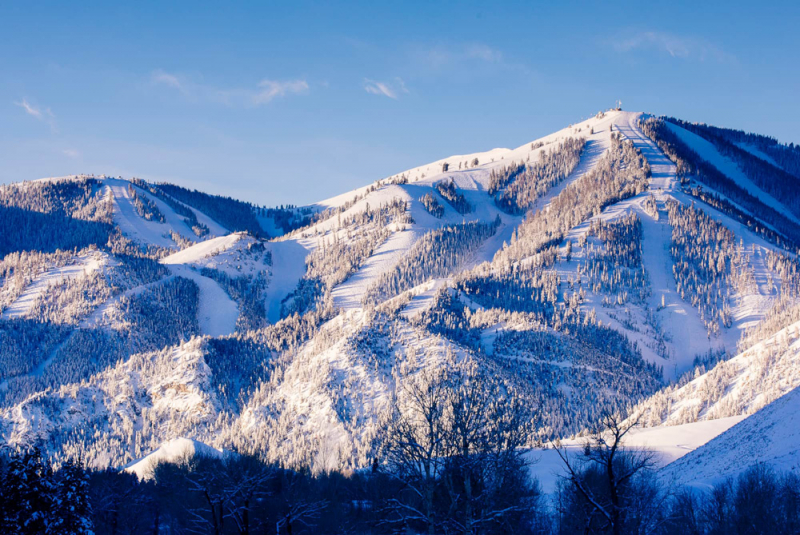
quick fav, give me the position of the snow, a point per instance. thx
(267, 223)
(678, 320)
(202, 250)
(491, 159)
(288, 267)
(752, 149)
(86, 263)
(668, 442)
(707, 151)
(129, 222)
(172, 451)
(770, 436)
(742, 385)
(152, 232)
(422, 297)
(326, 378)
(349, 294)
(473, 184)
(173, 387)
(216, 311)
(100, 317)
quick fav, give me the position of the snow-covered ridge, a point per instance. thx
(739, 386)
(145, 401)
(172, 451)
(770, 436)
(706, 150)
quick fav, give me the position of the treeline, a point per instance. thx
(615, 268)
(71, 299)
(189, 217)
(53, 215)
(19, 269)
(232, 214)
(622, 173)
(248, 291)
(708, 264)
(523, 288)
(723, 205)
(311, 217)
(441, 474)
(432, 205)
(145, 207)
(785, 155)
(779, 182)
(162, 315)
(524, 185)
(447, 189)
(289, 218)
(545, 366)
(340, 255)
(690, 165)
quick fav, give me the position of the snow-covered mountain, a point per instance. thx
(626, 260)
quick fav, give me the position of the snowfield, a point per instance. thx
(668, 443)
(770, 436)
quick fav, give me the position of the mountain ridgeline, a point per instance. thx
(628, 265)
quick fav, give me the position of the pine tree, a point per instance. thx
(28, 492)
(72, 510)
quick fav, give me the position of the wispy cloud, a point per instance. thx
(170, 80)
(71, 153)
(484, 53)
(386, 89)
(270, 89)
(40, 114)
(440, 56)
(265, 92)
(677, 46)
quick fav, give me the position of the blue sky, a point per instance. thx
(293, 102)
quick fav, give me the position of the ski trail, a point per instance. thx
(131, 224)
(22, 305)
(288, 267)
(216, 311)
(679, 320)
(350, 293)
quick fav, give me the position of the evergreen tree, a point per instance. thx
(27, 494)
(72, 510)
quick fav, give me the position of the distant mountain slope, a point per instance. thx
(585, 271)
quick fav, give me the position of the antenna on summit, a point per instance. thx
(619, 105)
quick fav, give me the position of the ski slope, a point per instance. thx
(216, 311)
(152, 232)
(707, 151)
(288, 267)
(83, 264)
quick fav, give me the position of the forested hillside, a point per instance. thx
(415, 341)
